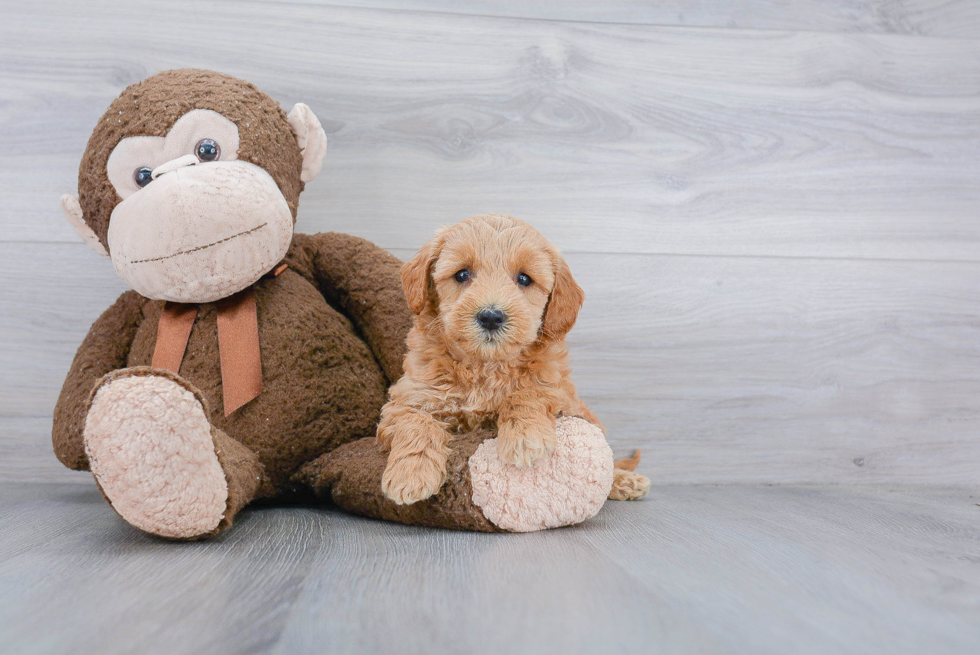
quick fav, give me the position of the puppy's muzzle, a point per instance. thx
(491, 319)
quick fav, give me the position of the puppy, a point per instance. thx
(493, 301)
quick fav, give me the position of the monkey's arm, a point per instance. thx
(363, 280)
(105, 349)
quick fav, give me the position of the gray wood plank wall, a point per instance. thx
(773, 207)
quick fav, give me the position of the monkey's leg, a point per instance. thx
(350, 476)
(158, 460)
(481, 492)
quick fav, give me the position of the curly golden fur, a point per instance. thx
(461, 374)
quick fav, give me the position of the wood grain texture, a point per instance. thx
(722, 369)
(776, 230)
(692, 569)
(957, 18)
(26, 454)
(610, 138)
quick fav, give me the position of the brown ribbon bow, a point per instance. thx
(238, 343)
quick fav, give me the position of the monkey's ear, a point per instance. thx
(311, 138)
(73, 211)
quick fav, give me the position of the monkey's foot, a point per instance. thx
(151, 449)
(566, 487)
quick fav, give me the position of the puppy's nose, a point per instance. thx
(491, 319)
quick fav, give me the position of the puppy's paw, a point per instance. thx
(525, 447)
(629, 485)
(412, 478)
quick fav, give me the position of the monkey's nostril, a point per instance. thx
(172, 165)
(491, 319)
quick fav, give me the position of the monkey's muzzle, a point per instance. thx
(199, 233)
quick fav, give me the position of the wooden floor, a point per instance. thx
(692, 569)
(774, 209)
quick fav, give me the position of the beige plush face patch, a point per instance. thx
(198, 128)
(195, 224)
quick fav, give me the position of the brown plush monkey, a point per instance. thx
(244, 351)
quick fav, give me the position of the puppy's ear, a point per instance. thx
(563, 304)
(415, 276)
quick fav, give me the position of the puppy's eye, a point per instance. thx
(207, 150)
(462, 276)
(524, 279)
(142, 175)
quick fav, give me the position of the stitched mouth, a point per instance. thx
(198, 248)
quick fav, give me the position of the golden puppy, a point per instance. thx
(493, 302)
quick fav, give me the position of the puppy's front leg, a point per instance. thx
(418, 453)
(525, 428)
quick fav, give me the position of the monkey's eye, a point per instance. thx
(142, 175)
(207, 150)
(462, 276)
(524, 279)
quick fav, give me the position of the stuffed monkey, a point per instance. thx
(244, 350)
